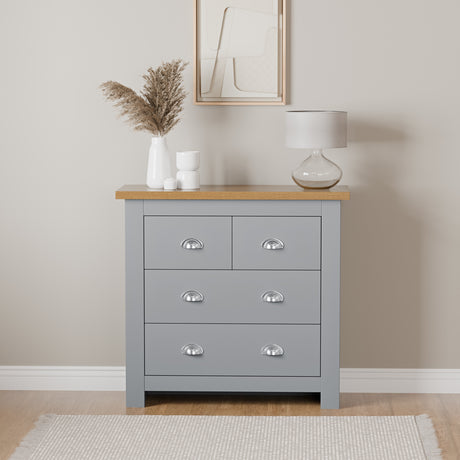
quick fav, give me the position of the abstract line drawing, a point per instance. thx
(240, 52)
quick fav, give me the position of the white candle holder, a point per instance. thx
(188, 176)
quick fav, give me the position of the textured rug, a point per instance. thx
(139, 437)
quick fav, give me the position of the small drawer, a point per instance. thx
(187, 242)
(225, 296)
(276, 243)
(222, 349)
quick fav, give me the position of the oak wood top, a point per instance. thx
(234, 192)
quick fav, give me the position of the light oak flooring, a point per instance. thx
(19, 409)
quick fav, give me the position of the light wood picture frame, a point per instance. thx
(240, 52)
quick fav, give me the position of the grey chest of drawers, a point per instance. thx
(232, 289)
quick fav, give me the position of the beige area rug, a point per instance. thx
(171, 437)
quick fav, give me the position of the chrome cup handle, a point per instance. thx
(272, 350)
(192, 296)
(273, 244)
(192, 349)
(192, 244)
(273, 297)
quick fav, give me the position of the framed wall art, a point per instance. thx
(240, 52)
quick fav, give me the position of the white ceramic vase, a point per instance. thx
(159, 164)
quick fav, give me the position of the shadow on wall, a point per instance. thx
(381, 244)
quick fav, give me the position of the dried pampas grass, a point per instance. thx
(157, 109)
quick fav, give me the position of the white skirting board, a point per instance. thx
(62, 378)
(103, 378)
(400, 380)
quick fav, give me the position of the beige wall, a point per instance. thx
(394, 65)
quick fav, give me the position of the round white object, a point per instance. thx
(188, 180)
(188, 160)
(170, 183)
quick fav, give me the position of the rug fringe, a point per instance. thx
(33, 438)
(428, 437)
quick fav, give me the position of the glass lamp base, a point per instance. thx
(317, 172)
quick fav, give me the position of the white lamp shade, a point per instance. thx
(316, 129)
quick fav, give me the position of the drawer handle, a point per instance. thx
(192, 349)
(193, 296)
(273, 244)
(272, 350)
(192, 244)
(273, 297)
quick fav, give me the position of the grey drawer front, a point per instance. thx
(232, 296)
(300, 236)
(232, 349)
(163, 237)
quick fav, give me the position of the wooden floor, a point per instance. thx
(19, 409)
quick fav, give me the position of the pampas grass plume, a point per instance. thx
(158, 107)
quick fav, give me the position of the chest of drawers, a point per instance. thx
(232, 289)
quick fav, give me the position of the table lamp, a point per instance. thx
(316, 130)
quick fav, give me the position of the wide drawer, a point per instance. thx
(276, 243)
(202, 296)
(223, 349)
(187, 242)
